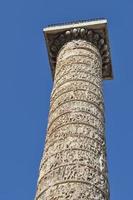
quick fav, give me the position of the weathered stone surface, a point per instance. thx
(73, 165)
(94, 31)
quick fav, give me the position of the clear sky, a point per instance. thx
(25, 85)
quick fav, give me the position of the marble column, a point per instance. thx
(74, 165)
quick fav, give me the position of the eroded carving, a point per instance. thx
(95, 37)
(73, 165)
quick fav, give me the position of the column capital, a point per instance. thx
(94, 31)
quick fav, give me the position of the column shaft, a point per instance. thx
(74, 162)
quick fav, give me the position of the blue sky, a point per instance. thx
(25, 85)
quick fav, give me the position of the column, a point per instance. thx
(73, 165)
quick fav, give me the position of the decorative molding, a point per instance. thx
(57, 35)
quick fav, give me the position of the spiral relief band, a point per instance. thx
(74, 165)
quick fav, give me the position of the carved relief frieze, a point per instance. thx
(73, 164)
